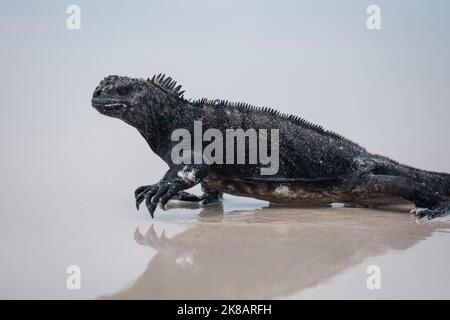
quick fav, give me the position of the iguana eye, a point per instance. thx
(122, 91)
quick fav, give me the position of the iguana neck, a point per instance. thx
(160, 123)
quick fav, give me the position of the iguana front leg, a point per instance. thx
(176, 179)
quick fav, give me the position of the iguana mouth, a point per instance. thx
(108, 105)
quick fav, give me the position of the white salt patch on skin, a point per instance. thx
(359, 161)
(283, 191)
(187, 176)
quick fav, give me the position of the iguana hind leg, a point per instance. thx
(210, 194)
(428, 202)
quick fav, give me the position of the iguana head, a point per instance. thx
(120, 97)
(131, 99)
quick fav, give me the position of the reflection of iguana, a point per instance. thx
(289, 252)
(315, 165)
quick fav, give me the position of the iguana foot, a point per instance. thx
(204, 199)
(207, 199)
(163, 192)
(186, 196)
(157, 193)
(440, 210)
(139, 194)
(210, 195)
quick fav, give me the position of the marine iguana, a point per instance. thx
(316, 166)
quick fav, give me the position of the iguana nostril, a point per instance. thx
(97, 92)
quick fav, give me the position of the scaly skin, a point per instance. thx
(316, 166)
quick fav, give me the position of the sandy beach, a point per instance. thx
(282, 252)
(243, 249)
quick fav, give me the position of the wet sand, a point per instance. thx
(283, 252)
(243, 250)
